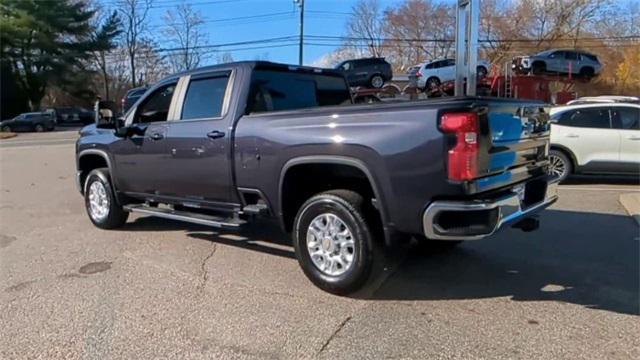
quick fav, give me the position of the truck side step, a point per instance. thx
(195, 218)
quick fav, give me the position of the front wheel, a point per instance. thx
(6, 128)
(559, 165)
(39, 128)
(333, 241)
(100, 201)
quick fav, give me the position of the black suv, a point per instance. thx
(131, 97)
(370, 72)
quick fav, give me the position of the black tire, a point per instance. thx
(586, 72)
(39, 128)
(115, 216)
(347, 206)
(432, 82)
(481, 72)
(376, 81)
(560, 165)
(6, 128)
(538, 68)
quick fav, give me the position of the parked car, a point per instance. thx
(605, 99)
(595, 139)
(131, 97)
(33, 121)
(369, 72)
(575, 62)
(250, 139)
(433, 73)
(72, 115)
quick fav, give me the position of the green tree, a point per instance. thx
(44, 42)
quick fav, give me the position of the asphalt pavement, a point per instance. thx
(164, 289)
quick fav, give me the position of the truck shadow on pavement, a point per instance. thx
(581, 258)
(589, 259)
(262, 236)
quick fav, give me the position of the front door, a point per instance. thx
(141, 159)
(199, 142)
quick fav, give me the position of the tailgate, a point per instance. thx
(514, 144)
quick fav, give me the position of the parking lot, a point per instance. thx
(163, 289)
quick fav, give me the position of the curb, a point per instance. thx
(7, 135)
(631, 203)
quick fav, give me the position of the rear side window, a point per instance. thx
(273, 90)
(597, 118)
(205, 98)
(590, 57)
(627, 118)
(570, 55)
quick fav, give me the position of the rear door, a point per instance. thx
(572, 62)
(199, 141)
(626, 119)
(587, 132)
(447, 70)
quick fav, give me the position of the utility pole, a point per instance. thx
(467, 27)
(300, 4)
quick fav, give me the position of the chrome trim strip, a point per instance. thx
(509, 206)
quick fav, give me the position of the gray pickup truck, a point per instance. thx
(225, 144)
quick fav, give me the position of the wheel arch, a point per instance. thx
(89, 160)
(565, 150)
(284, 213)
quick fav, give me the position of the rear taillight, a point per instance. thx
(419, 74)
(463, 157)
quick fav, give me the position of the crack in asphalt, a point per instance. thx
(334, 334)
(203, 269)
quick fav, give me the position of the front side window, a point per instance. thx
(155, 107)
(626, 118)
(204, 98)
(557, 54)
(597, 118)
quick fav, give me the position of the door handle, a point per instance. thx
(156, 136)
(215, 134)
(633, 137)
(573, 135)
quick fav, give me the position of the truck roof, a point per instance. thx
(258, 64)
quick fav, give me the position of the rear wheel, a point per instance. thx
(586, 72)
(376, 81)
(100, 201)
(538, 68)
(334, 241)
(481, 71)
(38, 128)
(432, 82)
(559, 165)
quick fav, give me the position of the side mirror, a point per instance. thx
(121, 131)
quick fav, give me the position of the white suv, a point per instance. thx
(595, 138)
(434, 73)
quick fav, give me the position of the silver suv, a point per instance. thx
(575, 62)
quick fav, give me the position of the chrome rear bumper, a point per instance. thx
(498, 212)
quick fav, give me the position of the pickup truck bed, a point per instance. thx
(283, 142)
